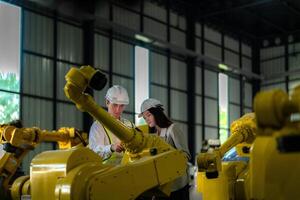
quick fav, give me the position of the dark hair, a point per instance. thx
(160, 118)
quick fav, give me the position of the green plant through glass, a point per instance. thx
(9, 102)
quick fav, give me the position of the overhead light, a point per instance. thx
(142, 38)
(224, 67)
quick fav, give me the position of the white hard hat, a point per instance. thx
(117, 95)
(149, 103)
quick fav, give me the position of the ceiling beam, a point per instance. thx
(238, 7)
(268, 22)
(290, 7)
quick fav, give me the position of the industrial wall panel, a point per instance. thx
(178, 74)
(198, 80)
(246, 64)
(123, 58)
(273, 86)
(38, 35)
(102, 9)
(37, 112)
(234, 90)
(129, 86)
(248, 95)
(211, 83)
(70, 43)
(177, 37)
(198, 109)
(135, 5)
(232, 58)
(246, 50)
(158, 68)
(273, 67)
(69, 116)
(234, 112)
(101, 54)
(38, 76)
(99, 96)
(211, 112)
(211, 133)
(198, 138)
(155, 11)
(231, 43)
(155, 29)
(271, 52)
(212, 51)
(247, 110)
(212, 35)
(294, 61)
(178, 105)
(294, 65)
(198, 29)
(177, 21)
(62, 70)
(161, 94)
(46, 146)
(126, 18)
(129, 117)
(294, 48)
(198, 46)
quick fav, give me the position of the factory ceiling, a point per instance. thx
(250, 19)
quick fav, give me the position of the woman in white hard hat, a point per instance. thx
(101, 140)
(152, 112)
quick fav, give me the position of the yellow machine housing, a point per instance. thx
(18, 142)
(274, 156)
(218, 180)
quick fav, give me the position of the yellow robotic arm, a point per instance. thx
(134, 141)
(242, 130)
(216, 180)
(78, 173)
(275, 154)
(17, 142)
(271, 172)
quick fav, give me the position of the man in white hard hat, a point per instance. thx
(101, 140)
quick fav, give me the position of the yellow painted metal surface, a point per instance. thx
(273, 175)
(19, 188)
(134, 141)
(274, 158)
(78, 173)
(47, 167)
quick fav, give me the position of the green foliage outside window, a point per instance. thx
(9, 102)
(223, 118)
(223, 125)
(9, 81)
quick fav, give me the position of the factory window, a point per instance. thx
(10, 26)
(141, 63)
(223, 107)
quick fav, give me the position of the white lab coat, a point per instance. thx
(100, 140)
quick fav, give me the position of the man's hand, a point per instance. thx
(117, 147)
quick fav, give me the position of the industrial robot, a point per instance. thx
(148, 168)
(270, 140)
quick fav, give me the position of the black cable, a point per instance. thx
(77, 133)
